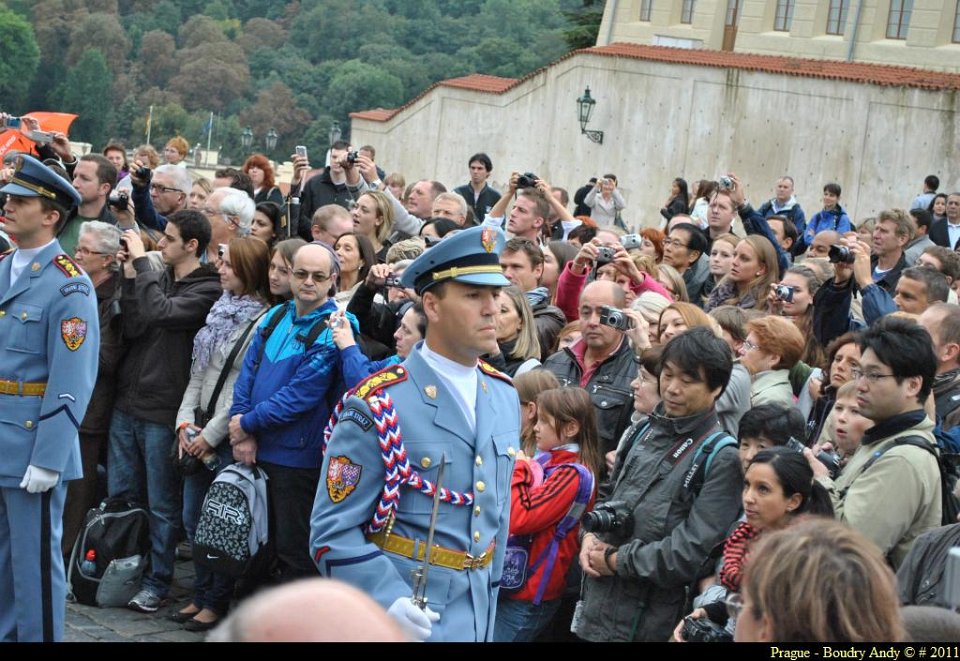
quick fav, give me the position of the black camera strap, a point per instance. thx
(228, 365)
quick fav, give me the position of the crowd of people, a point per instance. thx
(724, 425)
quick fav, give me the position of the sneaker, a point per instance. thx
(144, 601)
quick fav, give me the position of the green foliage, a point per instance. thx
(86, 91)
(19, 58)
(584, 25)
(356, 85)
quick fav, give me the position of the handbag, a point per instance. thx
(187, 464)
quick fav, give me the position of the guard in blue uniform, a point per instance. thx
(49, 347)
(372, 511)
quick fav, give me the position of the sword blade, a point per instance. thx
(420, 589)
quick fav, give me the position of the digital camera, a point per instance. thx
(615, 318)
(785, 293)
(725, 182)
(393, 281)
(119, 200)
(839, 254)
(613, 516)
(631, 241)
(352, 156)
(604, 255)
(143, 172)
(527, 180)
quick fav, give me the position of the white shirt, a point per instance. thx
(461, 380)
(22, 258)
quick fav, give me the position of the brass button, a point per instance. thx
(23, 315)
(425, 462)
(479, 460)
(28, 424)
(481, 486)
(476, 536)
(476, 511)
(511, 451)
(3, 313)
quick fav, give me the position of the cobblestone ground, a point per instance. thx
(88, 624)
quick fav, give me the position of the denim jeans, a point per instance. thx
(521, 621)
(211, 590)
(141, 469)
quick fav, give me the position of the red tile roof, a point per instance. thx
(857, 72)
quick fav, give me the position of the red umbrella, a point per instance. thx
(13, 139)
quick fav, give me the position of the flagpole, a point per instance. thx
(209, 134)
(149, 123)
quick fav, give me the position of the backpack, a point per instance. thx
(949, 503)
(117, 536)
(232, 532)
(517, 567)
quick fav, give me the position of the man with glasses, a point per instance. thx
(161, 313)
(684, 249)
(890, 488)
(675, 487)
(230, 212)
(282, 401)
(162, 193)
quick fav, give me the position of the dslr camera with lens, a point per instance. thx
(527, 180)
(829, 459)
(613, 516)
(119, 200)
(785, 293)
(615, 318)
(704, 630)
(839, 254)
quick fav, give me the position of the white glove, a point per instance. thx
(39, 480)
(415, 623)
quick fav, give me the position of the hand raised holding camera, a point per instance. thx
(377, 276)
(586, 256)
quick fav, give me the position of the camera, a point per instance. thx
(829, 459)
(300, 150)
(143, 172)
(119, 200)
(612, 516)
(393, 281)
(839, 254)
(725, 182)
(527, 180)
(631, 241)
(604, 255)
(785, 293)
(614, 318)
(352, 157)
(12, 122)
(704, 630)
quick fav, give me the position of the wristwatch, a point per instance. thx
(375, 184)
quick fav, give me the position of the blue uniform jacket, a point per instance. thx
(431, 424)
(356, 366)
(286, 403)
(49, 332)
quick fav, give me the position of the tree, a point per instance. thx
(86, 91)
(19, 58)
(200, 30)
(261, 33)
(157, 58)
(357, 86)
(275, 108)
(211, 76)
(584, 25)
(103, 32)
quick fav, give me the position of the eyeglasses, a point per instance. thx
(872, 377)
(164, 189)
(676, 243)
(734, 604)
(316, 276)
(85, 251)
(750, 346)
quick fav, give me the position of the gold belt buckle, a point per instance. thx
(474, 562)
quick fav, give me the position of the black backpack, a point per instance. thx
(110, 554)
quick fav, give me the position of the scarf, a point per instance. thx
(226, 315)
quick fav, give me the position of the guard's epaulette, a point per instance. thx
(490, 370)
(67, 266)
(377, 381)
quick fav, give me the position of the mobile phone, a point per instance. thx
(12, 122)
(300, 150)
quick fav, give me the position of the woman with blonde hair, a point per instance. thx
(373, 218)
(755, 267)
(721, 259)
(673, 282)
(679, 317)
(516, 334)
(817, 581)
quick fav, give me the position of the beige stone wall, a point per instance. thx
(928, 44)
(666, 120)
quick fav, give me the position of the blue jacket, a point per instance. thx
(356, 367)
(286, 400)
(834, 219)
